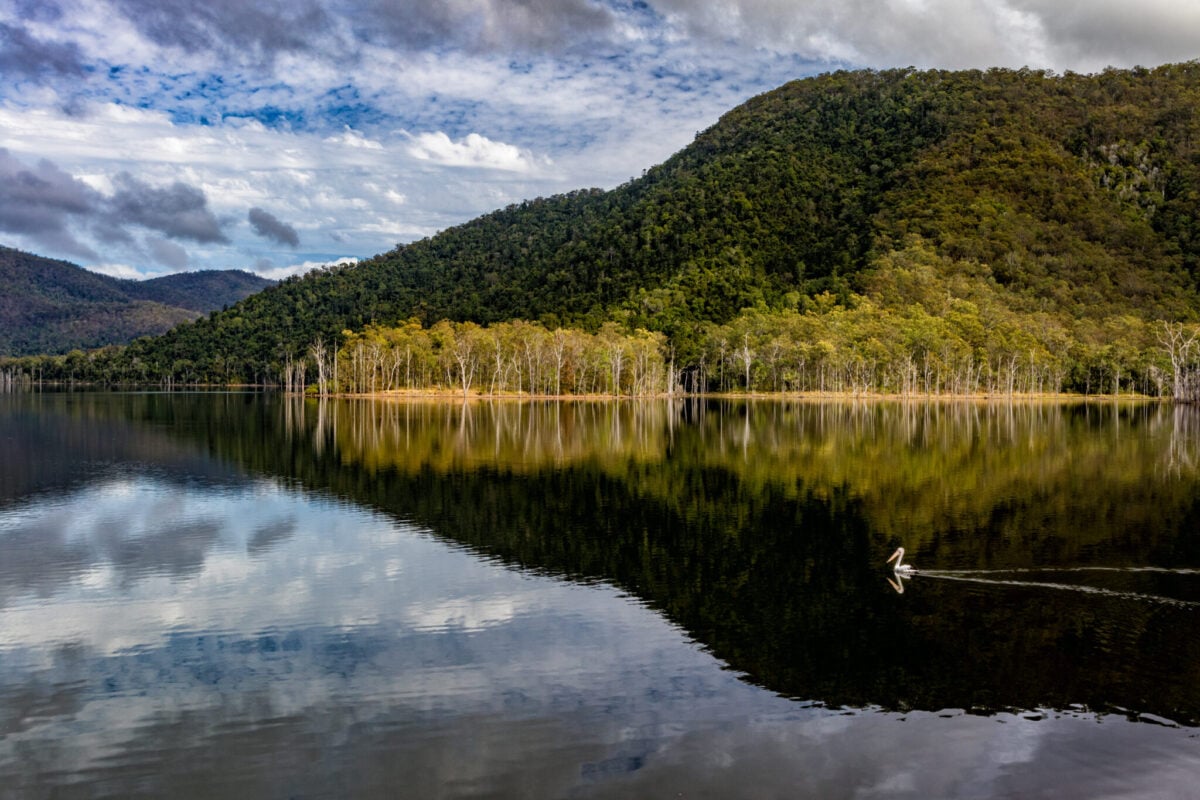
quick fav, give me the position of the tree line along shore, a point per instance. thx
(828, 349)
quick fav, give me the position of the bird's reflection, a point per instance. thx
(900, 570)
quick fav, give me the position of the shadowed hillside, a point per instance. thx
(50, 306)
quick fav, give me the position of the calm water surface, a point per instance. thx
(237, 595)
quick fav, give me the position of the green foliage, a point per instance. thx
(931, 325)
(1059, 213)
(504, 358)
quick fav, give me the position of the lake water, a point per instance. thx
(233, 595)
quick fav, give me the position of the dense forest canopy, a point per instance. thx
(935, 230)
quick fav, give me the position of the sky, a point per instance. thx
(144, 137)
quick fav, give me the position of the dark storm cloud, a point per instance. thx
(952, 33)
(485, 25)
(944, 33)
(49, 206)
(38, 10)
(178, 211)
(22, 54)
(269, 226)
(1119, 32)
(256, 30)
(328, 28)
(41, 201)
(37, 199)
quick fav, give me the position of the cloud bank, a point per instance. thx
(41, 202)
(55, 209)
(954, 33)
(938, 33)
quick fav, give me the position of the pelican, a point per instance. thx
(901, 568)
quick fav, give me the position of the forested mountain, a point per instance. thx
(201, 291)
(889, 217)
(50, 306)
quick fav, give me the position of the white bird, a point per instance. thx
(901, 568)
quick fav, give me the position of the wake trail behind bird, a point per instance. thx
(1025, 570)
(967, 576)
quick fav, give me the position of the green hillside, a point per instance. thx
(201, 291)
(50, 306)
(963, 202)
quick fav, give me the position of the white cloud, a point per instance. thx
(352, 138)
(472, 151)
(469, 614)
(121, 271)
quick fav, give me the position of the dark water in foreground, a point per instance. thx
(231, 595)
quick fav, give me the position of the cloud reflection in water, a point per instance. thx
(242, 638)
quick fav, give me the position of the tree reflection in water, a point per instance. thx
(761, 528)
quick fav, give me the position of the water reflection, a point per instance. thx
(762, 530)
(355, 641)
(921, 472)
(248, 596)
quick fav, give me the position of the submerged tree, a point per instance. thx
(1180, 343)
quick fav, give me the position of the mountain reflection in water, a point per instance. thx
(228, 589)
(762, 529)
